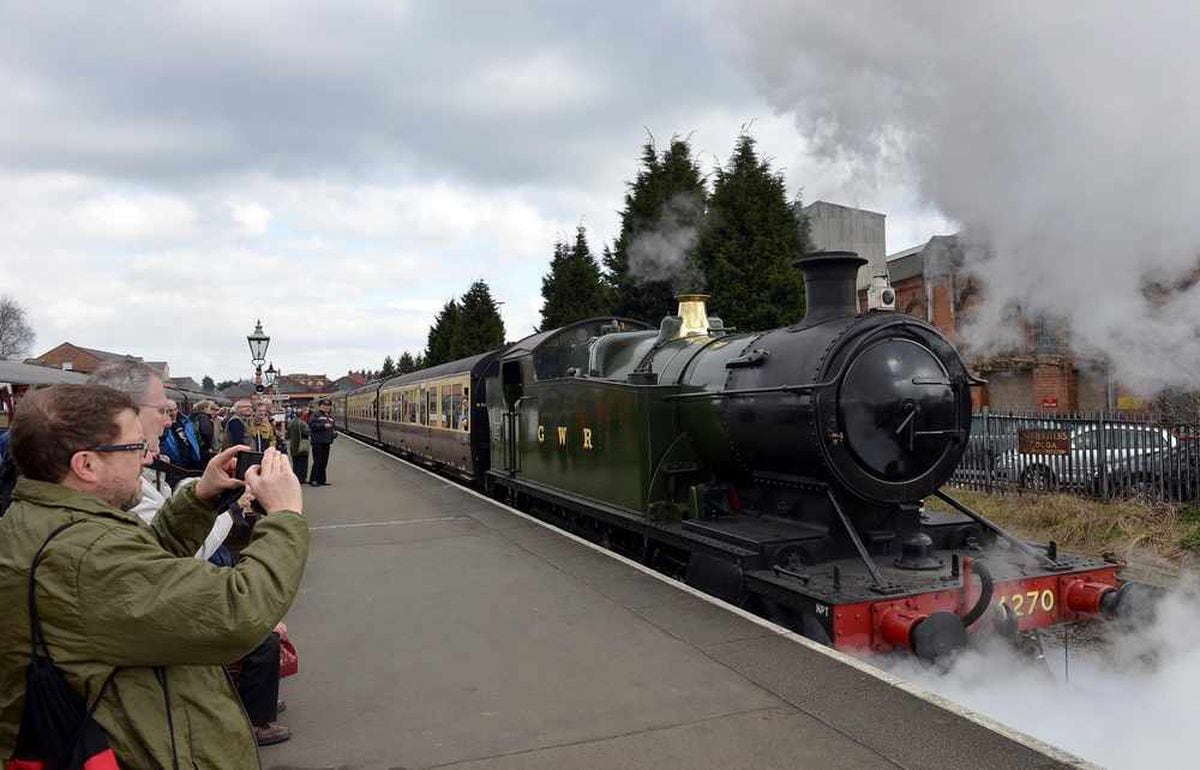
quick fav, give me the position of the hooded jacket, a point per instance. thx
(115, 593)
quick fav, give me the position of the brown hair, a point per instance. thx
(55, 423)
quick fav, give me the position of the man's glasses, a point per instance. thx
(140, 446)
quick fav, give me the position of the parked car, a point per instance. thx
(1112, 458)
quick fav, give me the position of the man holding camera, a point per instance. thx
(126, 605)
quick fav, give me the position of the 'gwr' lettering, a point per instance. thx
(587, 438)
(562, 435)
(541, 434)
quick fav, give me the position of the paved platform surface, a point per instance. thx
(436, 629)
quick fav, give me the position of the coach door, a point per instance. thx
(510, 377)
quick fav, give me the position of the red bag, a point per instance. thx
(289, 661)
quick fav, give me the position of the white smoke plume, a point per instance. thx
(1062, 135)
(1125, 701)
(665, 252)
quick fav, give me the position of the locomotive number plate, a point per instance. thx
(1029, 602)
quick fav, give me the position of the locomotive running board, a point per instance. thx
(881, 586)
(1045, 559)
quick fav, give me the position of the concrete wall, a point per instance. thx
(843, 228)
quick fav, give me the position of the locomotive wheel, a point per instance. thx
(1039, 478)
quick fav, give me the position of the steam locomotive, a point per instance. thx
(783, 471)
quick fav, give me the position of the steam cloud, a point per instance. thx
(1060, 135)
(1128, 703)
(664, 252)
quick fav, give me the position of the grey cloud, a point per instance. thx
(169, 90)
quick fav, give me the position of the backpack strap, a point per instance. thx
(36, 635)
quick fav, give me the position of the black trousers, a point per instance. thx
(258, 684)
(300, 467)
(320, 455)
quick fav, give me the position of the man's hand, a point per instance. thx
(219, 474)
(274, 484)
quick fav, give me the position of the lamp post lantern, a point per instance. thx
(258, 353)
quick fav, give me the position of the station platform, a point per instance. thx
(437, 628)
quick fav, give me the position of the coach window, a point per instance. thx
(431, 404)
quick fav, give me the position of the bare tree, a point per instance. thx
(16, 336)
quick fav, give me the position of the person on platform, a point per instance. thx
(322, 430)
(180, 442)
(299, 445)
(262, 433)
(237, 427)
(206, 429)
(127, 605)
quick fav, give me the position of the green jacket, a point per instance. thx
(298, 442)
(113, 592)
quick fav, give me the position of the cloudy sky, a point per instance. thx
(169, 172)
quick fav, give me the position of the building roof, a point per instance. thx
(937, 255)
(108, 356)
(827, 204)
(243, 389)
(17, 373)
(906, 264)
(184, 383)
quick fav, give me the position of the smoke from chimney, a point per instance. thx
(1061, 136)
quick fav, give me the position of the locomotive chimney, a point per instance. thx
(830, 284)
(693, 313)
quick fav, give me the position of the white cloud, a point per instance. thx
(251, 218)
(134, 218)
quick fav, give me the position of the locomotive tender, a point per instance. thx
(781, 470)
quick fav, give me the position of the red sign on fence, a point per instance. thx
(1050, 402)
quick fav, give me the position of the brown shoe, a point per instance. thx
(271, 733)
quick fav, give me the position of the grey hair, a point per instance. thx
(130, 377)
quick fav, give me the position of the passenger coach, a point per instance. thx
(437, 415)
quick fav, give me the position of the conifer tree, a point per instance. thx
(663, 205)
(749, 243)
(405, 364)
(480, 327)
(443, 335)
(573, 289)
(389, 368)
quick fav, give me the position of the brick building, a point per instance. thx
(1042, 373)
(76, 358)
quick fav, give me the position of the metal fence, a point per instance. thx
(1100, 455)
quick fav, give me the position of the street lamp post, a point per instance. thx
(271, 373)
(258, 353)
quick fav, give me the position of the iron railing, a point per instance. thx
(1101, 455)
